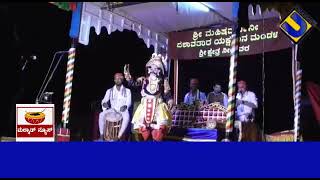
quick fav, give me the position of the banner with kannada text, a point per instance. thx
(216, 42)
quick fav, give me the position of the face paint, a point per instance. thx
(154, 77)
(153, 84)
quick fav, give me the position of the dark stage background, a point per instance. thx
(42, 29)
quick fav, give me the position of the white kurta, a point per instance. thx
(243, 110)
(117, 100)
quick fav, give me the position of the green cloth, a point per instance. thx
(67, 6)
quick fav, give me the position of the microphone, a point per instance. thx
(49, 74)
(33, 57)
(241, 92)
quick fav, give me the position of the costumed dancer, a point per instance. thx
(152, 116)
(136, 87)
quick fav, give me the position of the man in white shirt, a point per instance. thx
(119, 97)
(246, 103)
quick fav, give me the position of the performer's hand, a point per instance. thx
(238, 102)
(105, 105)
(141, 79)
(155, 126)
(123, 108)
(126, 72)
(166, 86)
(142, 126)
(170, 103)
(128, 77)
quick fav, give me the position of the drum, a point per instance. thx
(112, 125)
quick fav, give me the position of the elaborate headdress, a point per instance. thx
(159, 61)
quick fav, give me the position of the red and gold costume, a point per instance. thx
(153, 116)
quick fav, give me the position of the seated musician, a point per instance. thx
(194, 96)
(246, 103)
(217, 96)
(119, 98)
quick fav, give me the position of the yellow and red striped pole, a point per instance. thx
(68, 87)
(64, 133)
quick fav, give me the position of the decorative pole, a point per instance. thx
(232, 82)
(63, 132)
(68, 87)
(297, 105)
(232, 76)
(297, 93)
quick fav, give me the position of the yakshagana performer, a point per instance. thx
(153, 116)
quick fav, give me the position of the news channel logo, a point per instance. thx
(297, 25)
(35, 123)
